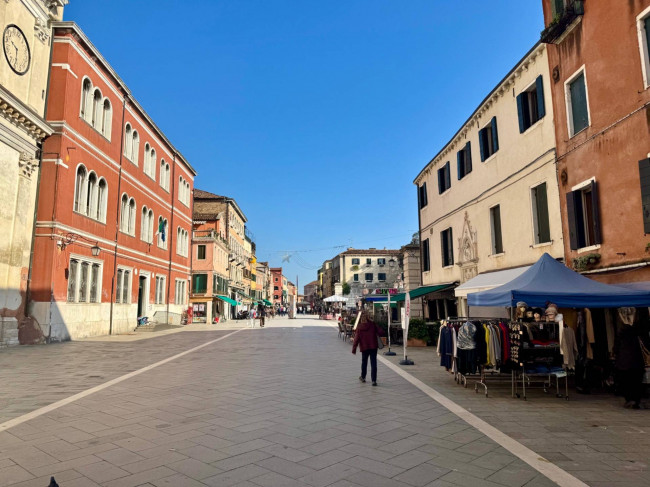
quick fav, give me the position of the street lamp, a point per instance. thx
(95, 249)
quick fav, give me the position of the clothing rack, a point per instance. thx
(483, 371)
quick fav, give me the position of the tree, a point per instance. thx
(346, 288)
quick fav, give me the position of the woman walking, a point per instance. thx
(365, 338)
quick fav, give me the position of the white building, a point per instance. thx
(488, 201)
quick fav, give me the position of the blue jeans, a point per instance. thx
(373, 363)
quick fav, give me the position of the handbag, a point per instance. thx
(380, 343)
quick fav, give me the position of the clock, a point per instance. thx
(16, 49)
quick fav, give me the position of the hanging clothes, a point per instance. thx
(591, 338)
(568, 347)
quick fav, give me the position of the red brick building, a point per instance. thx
(600, 67)
(276, 286)
(114, 218)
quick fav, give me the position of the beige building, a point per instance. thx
(24, 68)
(488, 201)
(263, 280)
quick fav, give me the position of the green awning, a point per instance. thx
(227, 300)
(421, 291)
(267, 302)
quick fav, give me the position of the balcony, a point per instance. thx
(563, 22)
(207, 235)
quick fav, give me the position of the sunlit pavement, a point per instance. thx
(278, 406)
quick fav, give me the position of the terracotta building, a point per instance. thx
(115, 208)
(599, 59)
(209, 293)
(276, 286)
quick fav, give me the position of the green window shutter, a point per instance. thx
(646, 24)
(541, 106)
(459, 165)
(578, 93)
(482, 142)
(495, 136)
(443, 250)
(468, 158)
(425, 198)
(440, 181)
(448, 175)
(598, 238)
(644, 176)
(520, 112)
(571, 218)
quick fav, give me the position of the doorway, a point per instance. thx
(142, 296)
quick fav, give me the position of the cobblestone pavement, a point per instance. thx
(279, 406)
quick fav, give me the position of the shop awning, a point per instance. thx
(267, 302)
(489, 280)
(550, 280)
(227, 300)
(418, 292)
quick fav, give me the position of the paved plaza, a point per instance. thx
(282, 406)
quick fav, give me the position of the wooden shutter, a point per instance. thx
(440, 180)
(541, 106)
(482, 143)
(468, 158)
(598, 238)
(571, 217)
(443, 252)
(419, 197)
(448, 175)
(459, 165)
(450, 247)
(644, 176)
(520, 112)
(495, 137)
(425, 198)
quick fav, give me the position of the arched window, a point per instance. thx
(150, 223)
(107, 119)
(136, 148)
(131, 230)
(152, 163)
(91, 195)
(128, 141)
(187, 193)
(145, 163)
(97, 109)
(167, 178)
(144, 225)
(80, 189)
(102, 198)
(162, 173)
(87, 87)
(124, 213)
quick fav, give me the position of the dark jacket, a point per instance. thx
(628, 354)
(365, 336)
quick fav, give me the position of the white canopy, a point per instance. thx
(489, 280)
(336, 299)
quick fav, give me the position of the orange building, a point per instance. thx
(599, 58)
(277, 288)
(114, 218)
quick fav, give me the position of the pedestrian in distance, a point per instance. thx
(261, 313)
(365, 337)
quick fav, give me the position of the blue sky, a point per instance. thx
(315, 116)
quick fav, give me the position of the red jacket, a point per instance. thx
(366, 336)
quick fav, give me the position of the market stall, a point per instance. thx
(560, 323)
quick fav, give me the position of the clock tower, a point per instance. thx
(25, 26)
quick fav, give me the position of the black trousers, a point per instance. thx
(631, 384)
(372, 354)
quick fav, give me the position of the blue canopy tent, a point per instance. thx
(550, 280)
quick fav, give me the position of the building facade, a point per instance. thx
(114, 221)
(600, 65)
(263, 281)
(24, 70)
(276, 286)
(365, 271)
(209, 292)
(488, 201)
(234, 223)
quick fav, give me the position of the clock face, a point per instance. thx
(16, 49)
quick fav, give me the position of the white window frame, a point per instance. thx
(492, 232)
(160, 288)
(180, 289)
(567, 98)
(121, 288)
(533, 216)
(81, 259)
(643, 46)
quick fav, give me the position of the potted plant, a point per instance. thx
(418, 333)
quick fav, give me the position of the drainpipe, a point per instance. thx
(117, 225)
(169, 239)
(425, 311)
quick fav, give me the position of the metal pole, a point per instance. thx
(389, 352)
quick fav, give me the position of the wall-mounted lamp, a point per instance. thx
(95, 250)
